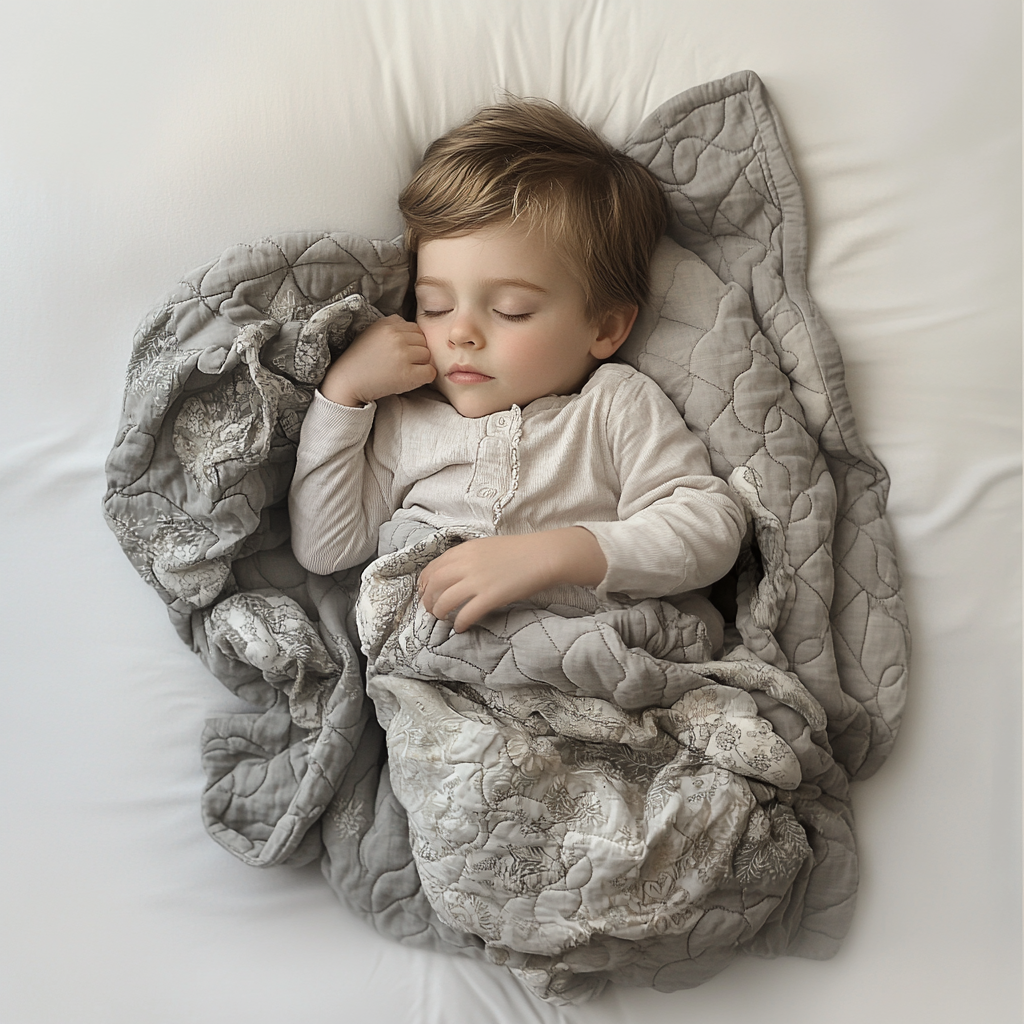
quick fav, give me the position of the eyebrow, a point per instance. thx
(492, 282)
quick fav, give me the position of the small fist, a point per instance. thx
(389, 358)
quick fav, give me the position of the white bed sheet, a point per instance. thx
(139, 140)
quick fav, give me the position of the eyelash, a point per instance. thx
(511, 317)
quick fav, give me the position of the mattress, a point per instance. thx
(143, 141)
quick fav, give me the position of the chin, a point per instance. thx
(476, 410)
(473, 407)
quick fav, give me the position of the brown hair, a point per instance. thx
(602, 211)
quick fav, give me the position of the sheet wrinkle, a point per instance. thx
(962, 497)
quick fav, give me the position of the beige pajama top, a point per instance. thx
(616, 459)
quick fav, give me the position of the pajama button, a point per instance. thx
(486, 492)
(502, 421)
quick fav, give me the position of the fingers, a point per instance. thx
(414, 375)
(472, 612)
(470, 608)
(456, 579)
(391, 330)
(424, 374)
(409, 348)
(443, 588)
(389, 358)
(440, 591)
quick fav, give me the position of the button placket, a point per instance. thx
(495, 473)
(511, 423)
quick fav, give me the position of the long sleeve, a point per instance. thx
(679, 526)
(342, 489)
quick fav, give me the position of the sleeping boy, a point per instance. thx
(500, 410)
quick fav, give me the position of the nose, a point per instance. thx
(463, 331)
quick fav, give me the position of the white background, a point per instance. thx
(138, 140)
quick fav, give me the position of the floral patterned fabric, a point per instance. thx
(573, 777)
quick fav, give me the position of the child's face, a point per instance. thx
(504, 320)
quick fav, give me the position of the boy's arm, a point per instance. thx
(679, 525)
(341, 491)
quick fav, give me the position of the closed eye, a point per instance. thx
(434, 312)
(513, 317)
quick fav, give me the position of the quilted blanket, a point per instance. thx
(582, 798)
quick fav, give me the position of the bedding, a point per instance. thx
(651, 812)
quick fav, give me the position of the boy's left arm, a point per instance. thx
(679, 526)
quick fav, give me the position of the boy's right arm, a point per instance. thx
(338, 497)
(341, 492)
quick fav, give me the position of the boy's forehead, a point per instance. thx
(507, 254)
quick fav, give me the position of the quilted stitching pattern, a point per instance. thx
(735, 202)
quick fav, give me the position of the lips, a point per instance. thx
(466, 375)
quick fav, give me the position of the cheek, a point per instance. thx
(538, 352)
(434, 335)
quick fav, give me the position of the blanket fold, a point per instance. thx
(582, 798)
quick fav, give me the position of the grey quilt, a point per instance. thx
(582, 798)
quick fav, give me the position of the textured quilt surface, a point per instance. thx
(583, 799)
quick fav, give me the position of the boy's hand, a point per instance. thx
(484, 574)
(389, 358)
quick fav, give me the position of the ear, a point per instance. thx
(612, 330)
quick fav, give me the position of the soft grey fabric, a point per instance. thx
(722, 155)
(219, 379)
(586, 791)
